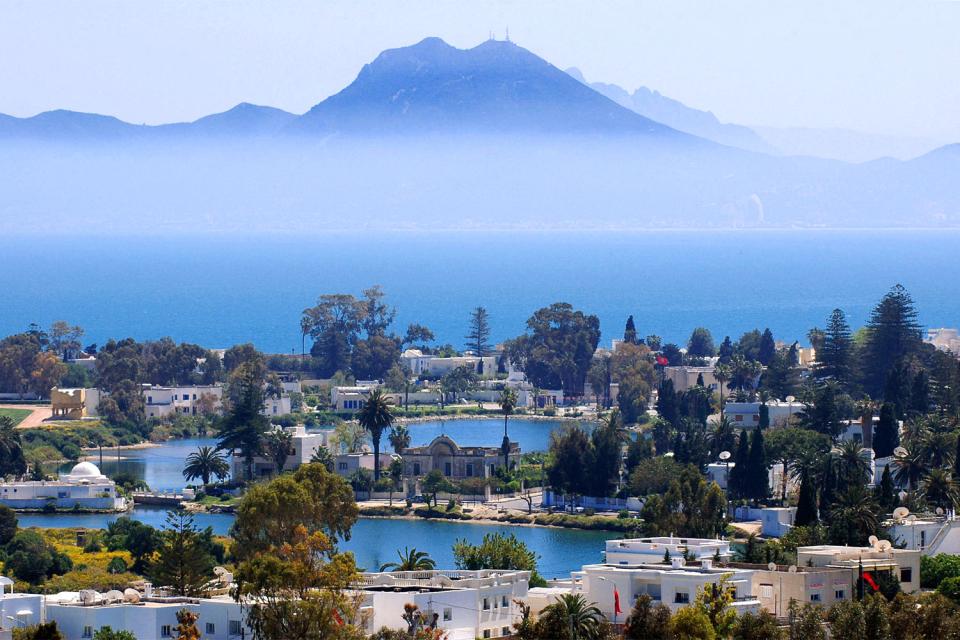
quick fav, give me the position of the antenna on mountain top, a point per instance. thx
(507, 39)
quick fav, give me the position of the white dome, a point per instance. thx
(85, 470)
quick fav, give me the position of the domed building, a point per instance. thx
(85, 487)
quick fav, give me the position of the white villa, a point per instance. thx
(746, 415)
(419, 364)
(17, 610)
(467, 604)
(652, 550)
(304, 444)
(84, 488)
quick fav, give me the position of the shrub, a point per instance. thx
(936, 569)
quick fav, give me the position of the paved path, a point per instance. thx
(36, 418)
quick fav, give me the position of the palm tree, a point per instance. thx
(375, 416)
(743, 372)
(508, 402)
(278, 445)
(395, 473)
(583, 620)
(722, 436)
(938, 448)
(722, 373)
(206, 462)
(410, 560)
(856, 508)
(399, 438)
(940, 489)
(322, 455)
(852, 468)
(909, 469)
(11, 449)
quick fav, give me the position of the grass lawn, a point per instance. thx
(17, 414)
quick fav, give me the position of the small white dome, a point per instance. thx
(85, 470)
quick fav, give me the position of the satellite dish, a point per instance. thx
(900, 513)
(873, 540)
(884, 545)
(900, 452)
(793, 568)
(668, 454)
(724, 455)
(772, 566)
(939, 511)
(131, 595)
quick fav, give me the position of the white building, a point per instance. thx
(747, 414)
(928, 534)
(18, 610)
(653, 550)
(903, 564)
(944, 339)
(161, 402)
(80, 615)
(675, 585)
(84, 488)
(420, 364)
(467, 604)
(303, 445)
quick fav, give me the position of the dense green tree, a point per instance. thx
(478, 338)
(434, 483)
(399, 438)
(32, 559)
(571, 460)
(8, 524)
(853, 517)
(12, 461)
(737, 482)
(782, 377)
(893, 335)
(42, 631)
(886, 493)
(760, 626)
(690, 507)
(648, 621)
(700, 344)
(630, 332)
(758, 487)
(806, 504)
(654, 475)
(847, 620)
(748, 346)
(788, 445)
(119, 361)
(835, 355)
(920, 393)
(805, 622)
(497, 551)
(690, 623)
(334, 324)
(373, 357)
(183, 562)
(887, 436)
(767, 348)
(673, 354)
(827, 408)
(418, 335)
(278, 446)
(558, 347)
(725, 351)
(654, 342)
(141, 540)
(243, 426)
(571, 617)
(667, 402)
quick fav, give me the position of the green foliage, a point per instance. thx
(497, 551)
(43, 631)
(647, 621)
(887, 435)
(32, 559)
(654, 475)
(8, 524)
(762, 626)
(183, 562)
(205, 463)
(410, 560)
(375, 416)
(700, 344)
(106, 633)
(141, 540)
(690, 623)
(950, 588)
(893, 336)
(936, 569)
(690, 507)
(243, 426)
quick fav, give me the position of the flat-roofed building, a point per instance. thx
(902, 564)
(656, 548)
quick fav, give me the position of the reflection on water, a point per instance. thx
(375, 541)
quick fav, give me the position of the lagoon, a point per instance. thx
(375, 541)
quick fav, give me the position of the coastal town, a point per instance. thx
(748, 488)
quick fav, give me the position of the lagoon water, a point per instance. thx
(219, 291)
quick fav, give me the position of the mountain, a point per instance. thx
(242, 120)
(843, 144)
(495, 86)
(63, 124)
(675, 114)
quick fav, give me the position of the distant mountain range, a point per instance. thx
(430, 136)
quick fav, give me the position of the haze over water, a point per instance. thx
(218, 291)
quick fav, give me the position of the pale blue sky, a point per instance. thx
(876, 65)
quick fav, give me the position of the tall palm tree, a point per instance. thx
(410, 560)
(508, 403)
(721, 436)
(375, 416)
(857, 508)
(11, 449)
(278, 444)
(582, 619)
(938, 448)
(722, 373)
(399, 438)
(322, 455)
(204, 463)
(743, 372)
(852, 468)
(909, 469)
(940, 489)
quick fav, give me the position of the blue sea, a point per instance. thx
(222, 290)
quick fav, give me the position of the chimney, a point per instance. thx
(677, 562)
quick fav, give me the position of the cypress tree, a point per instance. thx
(768, 348)
(885, 494)
(807, 504)
(887, 436)
(700, 380)
(725, 352)
(920, 393)
(630, 332)
(758, 478)
(667, 402)
(956, 461)
(737, 480)
(764, 416)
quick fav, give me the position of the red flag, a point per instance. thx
(337, 618)
(616, 601)
(869, 580)
(662, 361)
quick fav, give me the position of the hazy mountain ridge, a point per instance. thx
(433, 137)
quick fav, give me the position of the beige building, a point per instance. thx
(69, 404)
(456, 462)
(684, 378)
(776, 587)
(903, 564)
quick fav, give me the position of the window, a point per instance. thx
(447, 614)
(469, 470)
(447, 469)
(505, 631)
(681, 597)
(814, 597)
(923, 539)
(839, 594)
(211, 628)
(88, 632)
(165, 631)
(504, 602)
(486, 604)
(186, 396)
(342, 466)
(234, 627)
(766, 590)
(738, 418)
(416, 468)
(906, 575)
(486, 633)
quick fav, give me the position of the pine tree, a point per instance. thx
(893, 334)
(478, 340)
(835, 356)
(667, 402)
(183, 563)
(768, 348)
(764, 416)
(887, 436)
(630, 332)
(885, 495)
(806, 505)
(920, 393)
(725, 352)
(758, 478)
